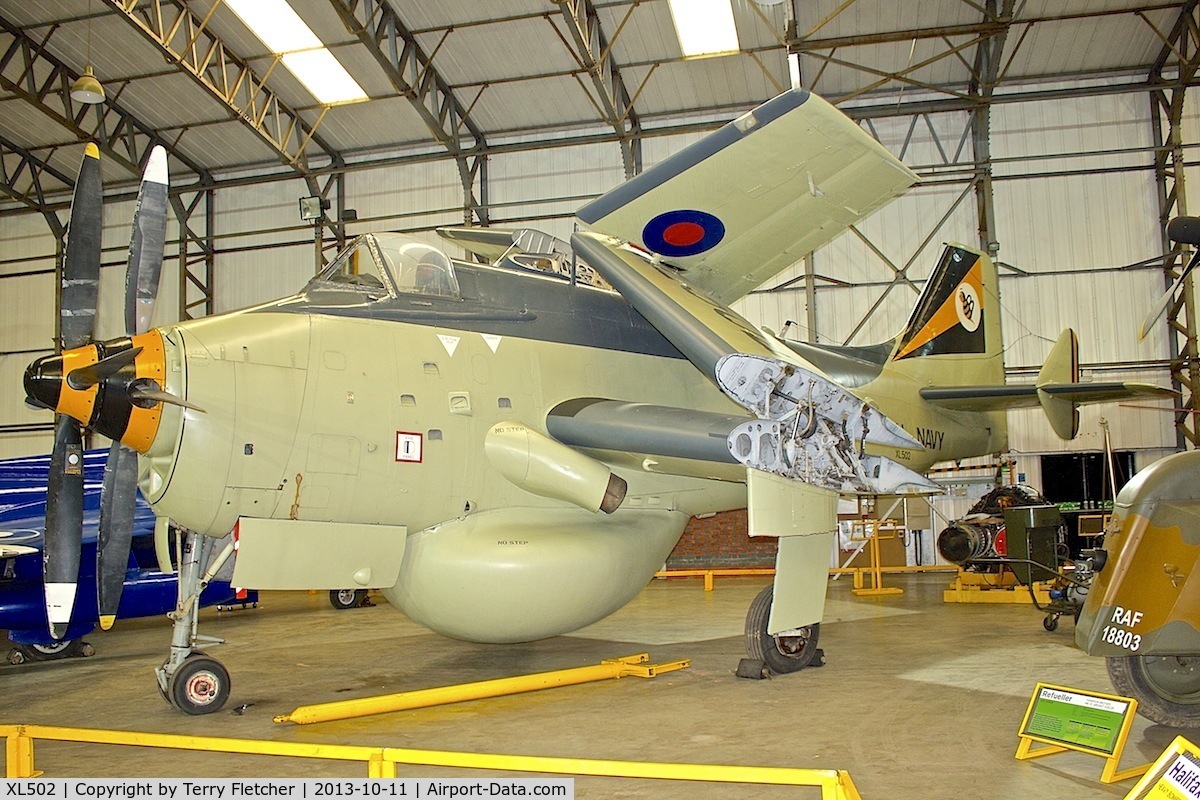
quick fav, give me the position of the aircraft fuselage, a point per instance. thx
(400, 432)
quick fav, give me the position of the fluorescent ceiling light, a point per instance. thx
(705, 27)
(280, 28)
(321, 73)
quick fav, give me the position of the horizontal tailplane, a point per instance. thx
(1057, 390)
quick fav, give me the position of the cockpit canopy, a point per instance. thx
(382, 265)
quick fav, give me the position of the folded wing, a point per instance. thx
(755, 197)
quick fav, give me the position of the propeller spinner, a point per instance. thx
(113, 388)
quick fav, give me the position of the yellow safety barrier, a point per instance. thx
(742, 572)
(835, 784)
(628, 666)
(19, 747)
(381, 761)
(709, 574)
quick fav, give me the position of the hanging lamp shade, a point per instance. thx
(87, 88)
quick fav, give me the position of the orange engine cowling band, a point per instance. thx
(108, 406)
(150, 365)
(77, 403)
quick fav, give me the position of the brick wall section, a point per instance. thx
(721, 541)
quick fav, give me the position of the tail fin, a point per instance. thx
(956, 322)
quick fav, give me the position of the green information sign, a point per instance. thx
(1075, 719)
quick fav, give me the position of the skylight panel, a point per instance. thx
(280, 28)
(324, 76)
(277, 24)
(705, 27)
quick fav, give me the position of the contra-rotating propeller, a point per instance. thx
(74, 385)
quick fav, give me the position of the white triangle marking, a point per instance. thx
(449, 342)
(493, 341)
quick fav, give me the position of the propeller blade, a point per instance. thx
(1159, 308)
(146, 244)
(116, 530)
(81, 263)
(161, 396)
(82, 378)
(64, 524)
(1165, 300)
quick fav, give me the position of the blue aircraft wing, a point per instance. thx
(148, 592)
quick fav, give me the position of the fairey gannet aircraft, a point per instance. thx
(510, 453)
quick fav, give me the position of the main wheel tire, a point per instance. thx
(341, 599)
(1167, 688)
(199, 686)
(68, 648)
(781, 654)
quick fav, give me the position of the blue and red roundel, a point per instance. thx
(683, 233)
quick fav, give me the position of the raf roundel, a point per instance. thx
(683, 233)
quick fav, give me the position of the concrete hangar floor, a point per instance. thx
(918, 699)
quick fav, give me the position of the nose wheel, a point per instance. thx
(199, 686)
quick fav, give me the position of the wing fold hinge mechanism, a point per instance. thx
(812, 430)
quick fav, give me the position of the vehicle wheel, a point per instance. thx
(68, 648)
(1167, 688)
(1050, 622)
(341, 599)
(199, 686)
(781, 654)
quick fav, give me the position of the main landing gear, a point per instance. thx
(189, 680)
(788, 651)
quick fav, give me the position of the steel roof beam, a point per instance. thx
(593, 50)
(184, 38)
(985, 76)
(29, 71)
(412, 73)
(21, 178)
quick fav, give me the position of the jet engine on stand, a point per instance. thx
(1011, 537)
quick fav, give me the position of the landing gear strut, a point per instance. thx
(192, 682)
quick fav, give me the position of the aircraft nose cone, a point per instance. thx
(43, 381)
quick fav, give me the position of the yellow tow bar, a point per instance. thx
(629, 666)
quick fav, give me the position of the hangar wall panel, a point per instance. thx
(407, 198)
(519, 184)
(252, 221)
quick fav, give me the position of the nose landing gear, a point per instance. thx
(189, 680)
